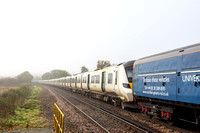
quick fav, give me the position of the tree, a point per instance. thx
(84, 69)
(25, 77)
(102, 64)
(59, 73)
(55, 74)
(47, 75)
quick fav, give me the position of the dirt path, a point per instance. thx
(47, 101)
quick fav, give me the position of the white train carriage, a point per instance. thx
(109, 84)
(113, 82)
(78, 81)
(85, 81)
(73, 84)
(59, 82)
(54, 82)
(67, 82)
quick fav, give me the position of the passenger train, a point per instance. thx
(110, 84)
(166, 84)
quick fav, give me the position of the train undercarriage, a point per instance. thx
(170, 111)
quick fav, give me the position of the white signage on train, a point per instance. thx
(153, 79)
(190, 78)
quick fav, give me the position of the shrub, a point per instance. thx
(12, 98)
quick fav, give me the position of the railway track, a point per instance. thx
(106, 120)
(156, 123)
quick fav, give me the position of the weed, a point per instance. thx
(24, 109)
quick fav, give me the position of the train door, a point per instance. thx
(178, 74)
(88, 82)
(103, 83)
(116, 80)
(81, 81)
(76, 82)
(189, 78)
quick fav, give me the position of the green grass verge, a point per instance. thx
(26, 116)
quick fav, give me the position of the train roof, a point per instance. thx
(167, 52)
(129, 63)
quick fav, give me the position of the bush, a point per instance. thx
(11, 99)
(28, 115)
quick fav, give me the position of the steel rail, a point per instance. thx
(129, 122)
(121, 118)
(104, 129)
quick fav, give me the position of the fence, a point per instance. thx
(58, 119)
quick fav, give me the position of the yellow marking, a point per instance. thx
(131, 85)
(191, 52)
(102, 70)
(168, 57)
(157, 59)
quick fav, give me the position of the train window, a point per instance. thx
(84, 79)
(110, 78)
(92, 79)
(97, 78)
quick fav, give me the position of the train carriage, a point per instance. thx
(167, 84)
(78, 81)
(111, 84)
(85, 81)
(73, 82)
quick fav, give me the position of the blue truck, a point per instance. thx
(168, 84)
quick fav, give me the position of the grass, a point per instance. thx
(28, 115)
(4, 89)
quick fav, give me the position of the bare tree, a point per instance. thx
(102, 64)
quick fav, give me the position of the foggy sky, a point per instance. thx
(42, 35)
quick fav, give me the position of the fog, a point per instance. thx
(39, 36)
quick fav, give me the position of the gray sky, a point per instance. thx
(42, 35)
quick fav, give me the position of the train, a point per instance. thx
(111, 84)
(166, 85)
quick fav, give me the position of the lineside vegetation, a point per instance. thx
(20, 108)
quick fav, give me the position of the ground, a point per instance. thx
(47, 102)
(74, 121)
